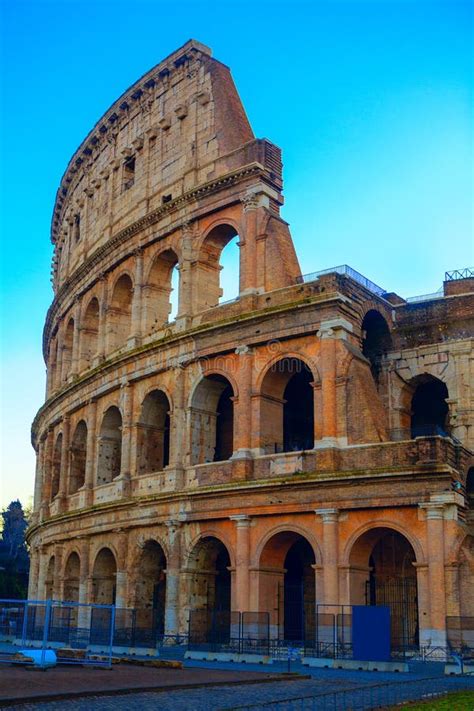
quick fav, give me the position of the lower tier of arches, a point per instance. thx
(293, 567)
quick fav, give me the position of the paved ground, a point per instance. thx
(209, 698)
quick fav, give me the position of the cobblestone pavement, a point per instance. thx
(210, 699)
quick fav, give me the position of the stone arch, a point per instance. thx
(104, 573)
(376, 340)
(90, 332)
(212, 419)
(56, 466)
(287, 584)
(157, 302)
(382, 572)
(119, 313)
(424, 407)
(154, 433)
(287, 406)
(68, 348)
(208, 268)
(110, 446)
(209, 587)
(78, 455)
(49, 579)
(72, 571)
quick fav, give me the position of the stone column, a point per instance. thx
(328, 384)
(76, 339)
(64, 471)
(330, 332)
(242, 562)
(248, 244)
(126, 397)
(330, 519)
(136, 330)
(58, 583)
(46, 468)
(436, 575)
(102, 330)
(39, 473)
(121, 588)
(178, 440)
(185, 300)
(91, 451)
(242, 416)
(34, 573)
(42, 570)
(173, 565)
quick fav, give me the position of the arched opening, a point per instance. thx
(287, 586)
(210, 591)
(104, 578)
(160, 293)
(71, 578)
(150, 589)
(218, 267)
(49, 580)
(56, 466)
(470, 488)
(212, 420)
(382, 572)
(429, 409)
(110, 446)
(77, 464)
(376, 340)
(154, 433)
(68, 346)
(90, 333)
(119, 313)
(287, 407)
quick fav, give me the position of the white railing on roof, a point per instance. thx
(346, 270)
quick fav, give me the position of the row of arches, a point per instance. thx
(159, 303)
(382, 565)
(286, 424)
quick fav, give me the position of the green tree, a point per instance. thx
(14, 559)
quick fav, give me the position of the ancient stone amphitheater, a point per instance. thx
(307, 443)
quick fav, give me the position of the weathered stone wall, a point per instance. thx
(128, 436)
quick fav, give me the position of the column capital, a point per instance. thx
(172, 523)
(241, 520)
(334, 328)
(328, 515)
(434, 510)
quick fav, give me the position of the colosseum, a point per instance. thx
(304, 447)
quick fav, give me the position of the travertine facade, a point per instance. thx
(310, 441)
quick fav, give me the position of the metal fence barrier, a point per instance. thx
(29, 628)
(364, 698)
(224, 631)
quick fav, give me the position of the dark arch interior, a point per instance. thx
(376, 340)
(151, 590)
(299, 591)
(224, 426)
(391, 580)
(429, 409)
(298, 414)
(154, 433)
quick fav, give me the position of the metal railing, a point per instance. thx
(466, 273)
(345, 270)
(44, 632)
(371, 696)
(426, 297)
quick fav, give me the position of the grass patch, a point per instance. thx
(456, 701)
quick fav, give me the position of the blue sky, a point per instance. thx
(370, 101)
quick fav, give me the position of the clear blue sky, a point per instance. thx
(370, 101)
